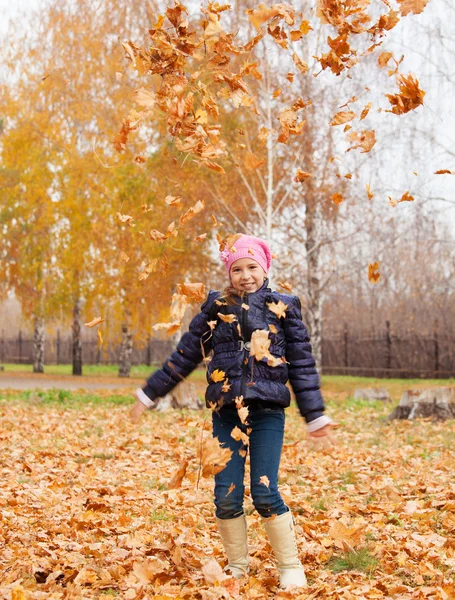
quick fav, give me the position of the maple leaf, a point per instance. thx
(100, 338)
(260, 344)
(213, 457)
(150, 268)
(144, 97)
(264, 480)
(365, 111)
(193, 291)
(177, 479)
(278, 308)
(238, 435)
(227, 318)
(192, 212)
(217, 376)
(406, 197)
(124, 256)
(444, 172)
(369, 192)
(125, 218)
(412, 6)
(263, 13)
(365, 140)
(302, 176)
(173, 200)
(384, 58)
(226, 386)
(212, 572)
(342, 117)
(373, 274)
(337, 198)
(169, 328)
(285, 285)
(157, 235)
(94, 322)
(243, 413)
(301, 65)
(409, 97)
(231, 489)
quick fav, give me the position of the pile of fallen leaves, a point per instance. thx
(95, 507)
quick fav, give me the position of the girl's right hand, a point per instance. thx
(136, 411)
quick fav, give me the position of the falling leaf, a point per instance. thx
(406, 197)
(124, 256)
(245, 306)
(195, 292)
(150, 268)
(212, 324)
(217, 376)
(173, 200)
(337, 198)
(278, 308)
(265, 481)
(302, 176)
(100, 338)
(444, 172)
(144, 97)
(301, 65)
(169, 328)
(226, 386)
(409, 97)
(140, 160)
(285, 285)
(157, 235)
(238, 435)
(213, 457)
(369, 192)
(373, 274)
(384, 58)
(94, 322)
(177, 479)
(243, 413)
(192, 212)
(231, 489)
(273, 329)
(365, 111)
(125, 218)
(342, 117)
(364, 140)
(252, 162)
(227, 318)
(201, 238)
(412, 6)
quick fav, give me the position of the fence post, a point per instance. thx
(148, 355)
(346, 346)
(436, 349)
(58, 347)
(388, 352)
(19, 341)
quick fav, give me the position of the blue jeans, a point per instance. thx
(266, 442)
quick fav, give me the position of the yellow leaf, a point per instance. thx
(227, 318)
(100, 338)
(264, 480)
(217, 376)
(342, 117)
(94, 322)
(373, 274)
(213, 457)
(278, 308)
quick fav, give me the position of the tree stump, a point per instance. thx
(438, 403)
(183, 396)
(372, 394)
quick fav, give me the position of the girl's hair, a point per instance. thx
(229, 294)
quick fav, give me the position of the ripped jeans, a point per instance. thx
(266, 442)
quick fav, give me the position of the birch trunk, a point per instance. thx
(38, 346)
(314, 309)
(77, 341)
(126, 350)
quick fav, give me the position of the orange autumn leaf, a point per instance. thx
(100, 338)
(301, 176)
(285, 285)
(213, 457)
(94, 322)
(227, 318)
(195, 292)
(264, 480)
(444, 172)
(178, 476)
(157, 235)
(125, 218)
(406, 197)
(252, 162)
(384, 58)
(342, 117)
(278, 308)
(192, 212)
(231, 489)
(364, 140)
(238, 435)
(201, 238)
(169, 328)
(412, 6)
(173, 200)
(365, 111)
(373, 274)
(369, 192)
(124, 257)
(217, 376)
(337, 198)
(409, 97)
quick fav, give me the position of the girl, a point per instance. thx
(260, 385)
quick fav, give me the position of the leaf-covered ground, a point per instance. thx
(87, 510)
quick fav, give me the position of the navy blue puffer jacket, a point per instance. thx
(254, 380)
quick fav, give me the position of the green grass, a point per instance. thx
(65, 398)
(355, 560)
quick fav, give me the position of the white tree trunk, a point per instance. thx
(38, 345)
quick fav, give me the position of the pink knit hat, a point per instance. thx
(248, 246)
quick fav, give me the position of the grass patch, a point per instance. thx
(66, 398)
(355, 560)
(160, 515)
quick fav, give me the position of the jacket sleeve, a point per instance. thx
(303, 376)
(190, 351)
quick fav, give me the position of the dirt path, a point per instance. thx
(29, 381)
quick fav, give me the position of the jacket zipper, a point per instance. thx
(245, 350)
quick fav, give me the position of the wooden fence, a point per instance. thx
(383, 354)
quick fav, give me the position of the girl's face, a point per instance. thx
(247, 275)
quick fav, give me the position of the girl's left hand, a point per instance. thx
(325, 435)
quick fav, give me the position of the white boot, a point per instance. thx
(280, 531)
(234, 537)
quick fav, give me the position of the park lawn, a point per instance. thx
(89, 509)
